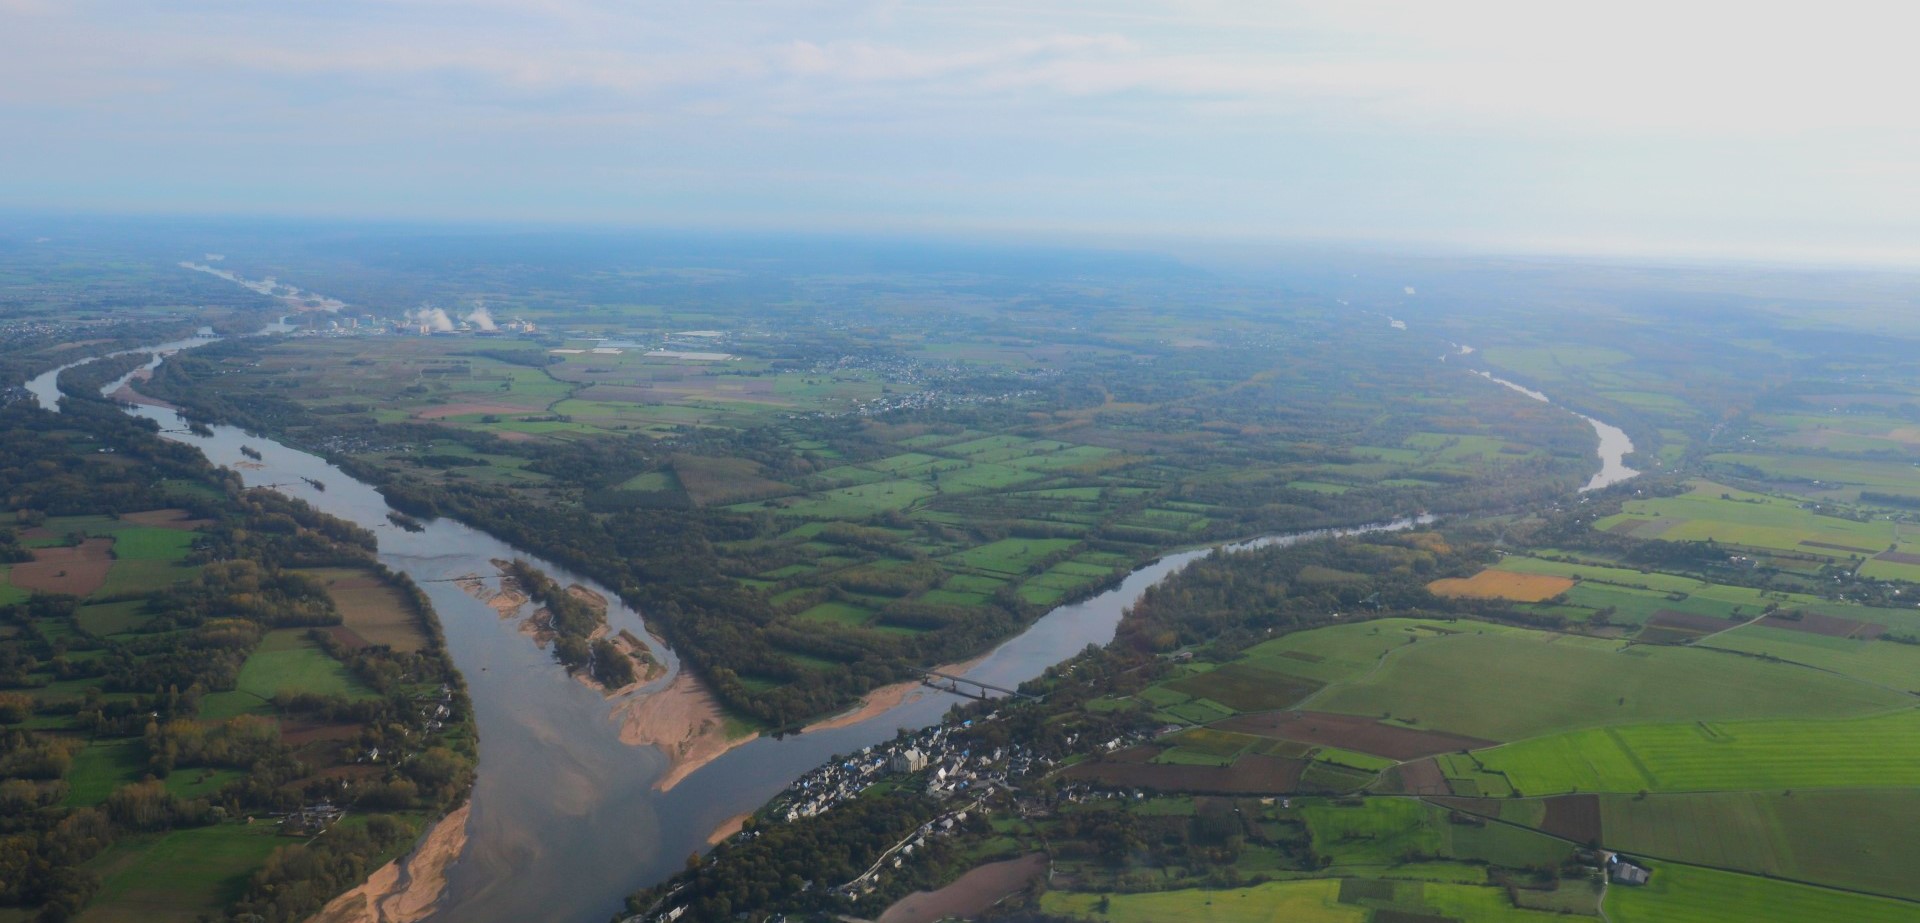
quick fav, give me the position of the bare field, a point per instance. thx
(1249, 775)
(165, 519)
(79, 570)
(970, 894)
(1352, 732)
(372, 609)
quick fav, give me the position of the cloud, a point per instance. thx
(1475, 117)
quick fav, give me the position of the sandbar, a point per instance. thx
(406, 889)
(883, 699)
(728, 828)
(684, 720)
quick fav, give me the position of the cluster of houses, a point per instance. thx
(950, 768)
(902, 851)
(312, 820)
(436, 711)
(434, 708)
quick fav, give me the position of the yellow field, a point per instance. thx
(1494, 583)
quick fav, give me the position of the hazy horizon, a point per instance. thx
(1709, 131)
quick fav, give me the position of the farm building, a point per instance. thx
(1622, 872)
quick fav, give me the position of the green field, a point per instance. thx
(178, 875)
(113, 618)
(145, 543)
(1245, 686)
(1305, 901)
(1888, 663)
(1012, 556)
(102, 766)
(1339, 652)
(287, 661)
(1719, 513)
(1686, 894)
(1854, 839)
(1698, 756)
(1275, 902)
(839, 614)
(1445, 684)
(1383, 832)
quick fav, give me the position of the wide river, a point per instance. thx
(566, 820)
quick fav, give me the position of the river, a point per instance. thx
(1614, 445)
(566, 820)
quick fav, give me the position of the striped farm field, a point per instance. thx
(1688, 894)
(1494, 583)
(1466, 683)
(1858, 839)
(1698, 756)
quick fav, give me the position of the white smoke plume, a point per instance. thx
(433, 319)
(481, 319)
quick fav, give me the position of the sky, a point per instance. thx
(1755, 130)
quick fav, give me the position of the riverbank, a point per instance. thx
(884, 699)
(684, 720)
(408, 888)
(872, 705)
(728, 827)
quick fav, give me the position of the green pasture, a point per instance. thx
(145, 543)
(1010, 556)
(1318, 900)
(1311, 901)
(1383, 831)
(287, 661)
(858, 501)
(1857, 839)
(1885, 662)
(102, 766)
(1890, 570)
(181, 875)
(1245, 686)
(113, 618)
(1465, 683)
(1751, 520)
(838, 613)
(1339, 652)
(143, 575)
(1352, 759)
(1700, 756)
(1882, 476)
(1689, 894)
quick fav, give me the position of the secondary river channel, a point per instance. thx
(566, 819)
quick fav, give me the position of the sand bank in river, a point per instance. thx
(728, 828)
(886, 698)
(684, 720)
(873, 704)
(506, 602)
(407, 888)
(127, 395)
